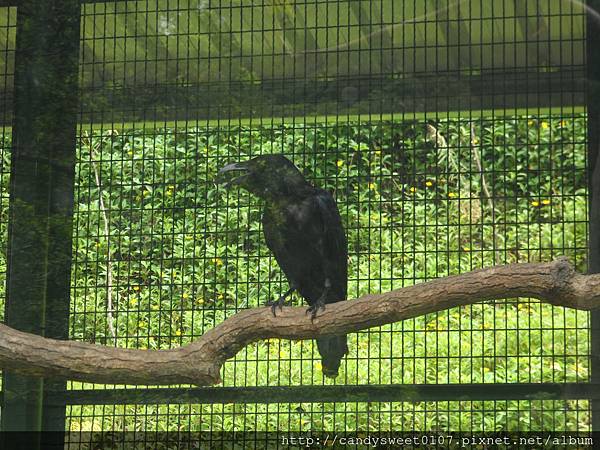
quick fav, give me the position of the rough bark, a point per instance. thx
(200, 362)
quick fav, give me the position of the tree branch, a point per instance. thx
(200, 362)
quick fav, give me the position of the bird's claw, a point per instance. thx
(279, 303)
(314, 309)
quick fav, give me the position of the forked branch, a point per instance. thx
(200, 362)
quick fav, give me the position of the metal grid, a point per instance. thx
(466, 416)
(430, 221)
(431, 180)
(7, 60)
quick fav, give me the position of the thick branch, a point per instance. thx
(200, 361)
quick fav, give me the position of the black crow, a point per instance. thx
(303, 229)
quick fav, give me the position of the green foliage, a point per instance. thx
(418, 202)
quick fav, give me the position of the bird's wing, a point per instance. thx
(332, 246)
(309, 244)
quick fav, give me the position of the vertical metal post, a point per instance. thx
(593, 134)
(41, 198)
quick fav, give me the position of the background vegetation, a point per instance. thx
(161, 254)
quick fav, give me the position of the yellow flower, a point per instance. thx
(136, 288)
(475, 141)
(130, 153)
(535, 203)
(578, 369)
(200, 301)
(428, 183)
(378, 152)
(544, 125)
(530, 122)
(97, 244)
(177, 332)
(546, 201)
(340, 163)
(413, 189)
(372, 186)
(218, 261)
(467, 249)
(186, 295)
(563, 123)
(319, 366)
(451, 194)
(142, 324)
(155, 307)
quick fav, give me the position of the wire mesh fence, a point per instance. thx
(407, 220)
(453, 137)
(7, 59)
(8, 20)
(466, 416)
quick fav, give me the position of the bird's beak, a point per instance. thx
(233, 167)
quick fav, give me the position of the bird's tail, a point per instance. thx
(332, 350)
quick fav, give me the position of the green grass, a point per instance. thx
(183, 254)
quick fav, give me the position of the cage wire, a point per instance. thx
(8, 19)
(453, 136)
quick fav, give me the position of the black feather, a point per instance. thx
(303, 229)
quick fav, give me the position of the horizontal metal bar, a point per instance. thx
(328, 394)
(4, 3)
(313, 98)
